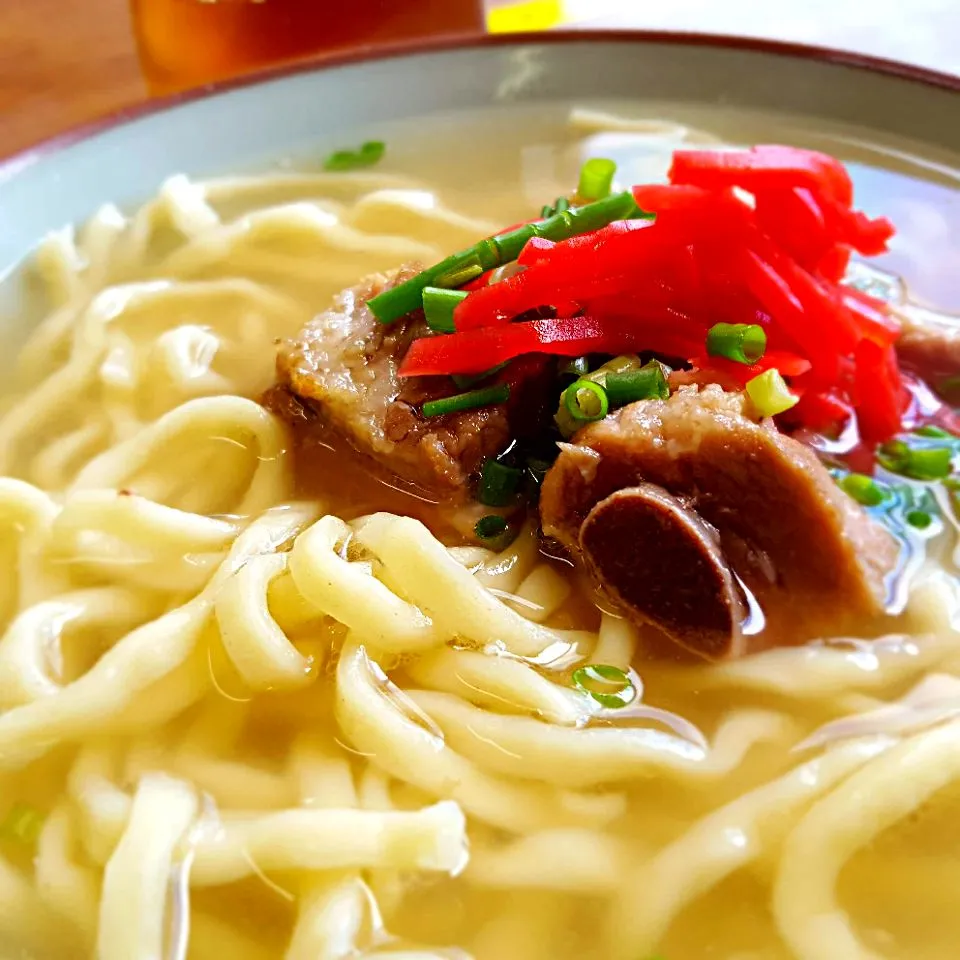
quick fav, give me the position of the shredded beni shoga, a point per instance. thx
(734, 266)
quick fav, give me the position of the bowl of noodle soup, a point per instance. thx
(263, 694)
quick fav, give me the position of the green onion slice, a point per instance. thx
(438, 306)
(910, 511)
(647, 383)
(596, 179)
(865, 490)
(929, 430)
(742, 342)
(498, 483)
(929, 463)
(920, 463)
(919, 519)
(456, 276)
(610, 686)
(22, 824)
(470, 400)
(467, 381)
(490, 526)
(893, 456)
(367, 155)
(769, 394)
(461, 267)
(559, 205)
(586, 401)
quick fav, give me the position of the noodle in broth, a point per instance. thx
(265, 712)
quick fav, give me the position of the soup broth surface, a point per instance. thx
(249, 707)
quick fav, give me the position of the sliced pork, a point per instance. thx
(340, 373)
(687, 501)
(929, 344)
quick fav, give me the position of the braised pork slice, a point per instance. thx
(929, 344)
(674, 504)
(341, 373)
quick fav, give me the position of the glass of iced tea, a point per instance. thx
(185, 43)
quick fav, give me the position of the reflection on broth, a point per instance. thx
(292, 668)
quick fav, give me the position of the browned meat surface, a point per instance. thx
(341, 373)
(682, 581)
(930, 344)
(741, 501)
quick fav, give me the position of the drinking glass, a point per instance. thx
(186, 43)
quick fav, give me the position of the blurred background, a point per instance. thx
(64, 62)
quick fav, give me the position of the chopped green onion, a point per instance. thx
(369, 154)
(769, 394)
(608, 685)
(576, 367)
(22, 824)
(621, 364)
(498, 483)
(932, 463)
(567, 424)
(893, 456)
(596, 179)
(467, 401)
(908, 510)
(647, 383)
(495, 532)
(865, 490)
(466, 381)
(920, 463)
(495, 251)
(559, 205)
(742, 342)
(490, 526)
(456, 276)
(438, 307)
(586, 401)
(929, 430)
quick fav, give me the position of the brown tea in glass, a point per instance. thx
(186, 43)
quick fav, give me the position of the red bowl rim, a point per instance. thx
(361, 54)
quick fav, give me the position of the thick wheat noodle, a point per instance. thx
(417, 563)
(429, 839)
(25, 666)
(524, 747)
(132, 904)
(232, 782)
(147, 655)
(573, 861)
(726, 840)
(258, 648)
(332, 904)
(307, 219)
(349, 593)
(284, 705)
(25, 918)
(500, 683)
(883, 792)
(402, 747)
(69, 887)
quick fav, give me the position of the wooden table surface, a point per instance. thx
(64, 62)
